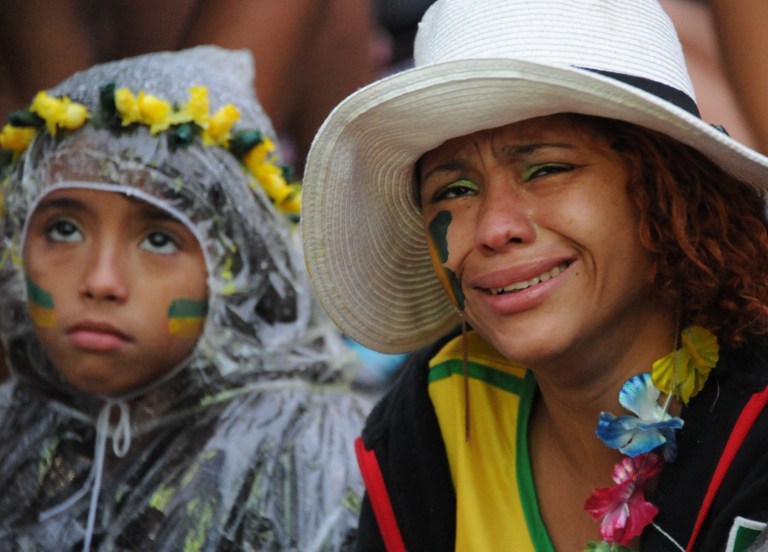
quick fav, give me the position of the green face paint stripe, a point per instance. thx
(438, 231)
(456, 287)
(187, 308)
(38, 295)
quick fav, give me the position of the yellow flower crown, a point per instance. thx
(119, 108)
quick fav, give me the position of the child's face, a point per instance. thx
(117, 288)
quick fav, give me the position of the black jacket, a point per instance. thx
(403, 432)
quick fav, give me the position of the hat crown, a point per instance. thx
(630, 37)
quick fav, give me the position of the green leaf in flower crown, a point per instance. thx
(182, 136)
(107, 115)
(6, 156)
(287, 171)
(25, 118)
(244, 141)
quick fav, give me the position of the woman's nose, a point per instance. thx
(505, 219)
(104, 277)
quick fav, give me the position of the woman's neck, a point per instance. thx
(586, 380)
(568, 459)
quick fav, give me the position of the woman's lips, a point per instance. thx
(519, 290)
(519, 277)
(524, 284)
(97, 337)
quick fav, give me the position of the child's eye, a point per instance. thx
(159, 242)
(459, 188)
(63, 230)
(545, 169)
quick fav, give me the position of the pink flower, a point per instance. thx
(622, 509)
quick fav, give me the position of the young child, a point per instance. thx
(174, 386)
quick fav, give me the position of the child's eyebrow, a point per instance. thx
(151, 213)
(61, 203)
(147, 212)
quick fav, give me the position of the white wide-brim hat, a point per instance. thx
(479, 64)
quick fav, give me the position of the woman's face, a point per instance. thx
(117, 288)
(534, 237)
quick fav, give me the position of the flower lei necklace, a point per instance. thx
(647, 438)
(120, 108)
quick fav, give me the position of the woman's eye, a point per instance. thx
(159, 242)
(460, 188)
(63, 230)
(545, 169)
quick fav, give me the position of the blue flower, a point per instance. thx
(652, 427)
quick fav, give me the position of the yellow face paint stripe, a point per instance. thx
(186, 317)
(41, 317)
(185, 326)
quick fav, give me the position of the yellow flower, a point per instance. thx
(268, 144)
(195, 110)
(258, 155)
(197, 106)
(57, 112)
(47, 108)
(154, 112)
(73, 114)
(271, 179)
(127, 106)
(219, 126)
(685, 371)
(292, 204)
(145, 109)
(16, 139)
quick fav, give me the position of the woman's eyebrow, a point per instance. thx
(511, 152)
(449, 166)
(523, 150)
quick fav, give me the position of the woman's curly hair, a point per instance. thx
(705, 229)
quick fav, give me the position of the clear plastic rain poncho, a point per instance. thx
(248, 445)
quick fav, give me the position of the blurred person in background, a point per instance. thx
(309, 53)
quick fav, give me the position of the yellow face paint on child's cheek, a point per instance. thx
(40, 306)
(437, 241)
(186, 317)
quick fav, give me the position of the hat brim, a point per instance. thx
(363, 235)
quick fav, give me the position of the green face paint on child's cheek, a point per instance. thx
(186, 317)
(438, 248)
(40, 306)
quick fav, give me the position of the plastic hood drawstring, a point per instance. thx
(120, 433)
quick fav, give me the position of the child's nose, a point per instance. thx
(104, 277)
